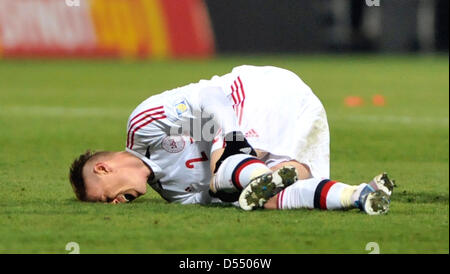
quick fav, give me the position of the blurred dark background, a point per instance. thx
(203, 28)
(253, 26)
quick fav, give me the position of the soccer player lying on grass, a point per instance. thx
(257, 137)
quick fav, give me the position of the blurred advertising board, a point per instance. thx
(105, 28)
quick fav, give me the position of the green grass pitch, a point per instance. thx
(51, 111)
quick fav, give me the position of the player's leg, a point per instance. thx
(304, 141)
(372, 198)
(311, 150)
(238, 171)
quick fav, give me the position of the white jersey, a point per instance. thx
(276, 111)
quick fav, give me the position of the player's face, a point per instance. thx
(118, 180)
(117, 189)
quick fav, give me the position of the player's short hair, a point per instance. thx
(76, 172)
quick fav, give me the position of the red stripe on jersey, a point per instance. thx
(237, 92)
(240, 114)
(323, 195)
(142, 125)
(232, 94)
(143, 118)
(238, 95)
(234, 100)
(242, 87)
(238, 106)
(145, 111)
(242, 103)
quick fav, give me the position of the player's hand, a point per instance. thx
(235, 143)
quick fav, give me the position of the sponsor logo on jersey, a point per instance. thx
(181, 108)
(251, 134)
(173, 144)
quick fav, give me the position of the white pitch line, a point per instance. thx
(442, 121)
(55, 111)
(118, 112)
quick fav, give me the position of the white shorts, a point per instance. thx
(282, 116)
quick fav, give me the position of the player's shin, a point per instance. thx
(317, 193)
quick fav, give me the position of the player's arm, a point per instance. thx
(146, 127)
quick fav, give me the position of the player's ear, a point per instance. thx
(102, 168)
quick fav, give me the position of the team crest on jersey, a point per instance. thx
(181, 108)
(173, 144)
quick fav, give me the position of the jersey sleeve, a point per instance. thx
(156, 118)
(173, 113)
(146, 127)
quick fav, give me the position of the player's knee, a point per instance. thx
(303, 171)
